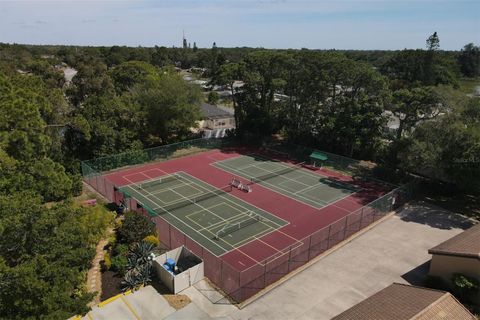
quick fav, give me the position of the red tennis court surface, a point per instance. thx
(249, 268)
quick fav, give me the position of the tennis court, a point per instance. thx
(211, 216)
(293, 181)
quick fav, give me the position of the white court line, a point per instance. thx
(305, 189)
(190, 227)
(268, 214)
(277, 189)
(171, 189)
(221, 239)
(209, 240)
(317, 201)
(341, 184)
(144, 181)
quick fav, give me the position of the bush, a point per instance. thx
(152, 239)
(107, 262)
(134, 228)
(120, 250)
(119, 264)
(465, 286)
(213, 97)
(112, 241)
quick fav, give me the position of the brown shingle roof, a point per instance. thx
(404, 302)
(465, 244)
(212, 112)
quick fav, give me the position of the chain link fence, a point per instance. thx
(240, 285)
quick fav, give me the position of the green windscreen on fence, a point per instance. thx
(134, 157)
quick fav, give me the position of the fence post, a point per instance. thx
(345, 227)
(309, 247)
(221, 272)
(361, 219)
(328, 238)
(169, 236)
(289, 259)
(265, 276)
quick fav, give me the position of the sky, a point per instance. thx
(340, 24)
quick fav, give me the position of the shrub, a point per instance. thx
(139, 254)
(120, 250)
(465, 286)
(119, 264)
(112, 241)
(107, 262)
(134, 228)
(153, 239)
(213, 97)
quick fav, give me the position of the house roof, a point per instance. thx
(404, 302)
(212, 112)
(465, 244)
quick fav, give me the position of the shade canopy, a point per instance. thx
(317, 155)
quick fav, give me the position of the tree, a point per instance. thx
(92, 79)
(227, 76)
(411, 107)
(169, 108)
(213, 97)
(134, 228)
(448, 148)
(469, 60)
(44, 254)
(413, 68)
(263, 74)
(433, 42)
(128, 74)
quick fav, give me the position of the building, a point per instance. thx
(215, 121)
(460, 254)
(405, 302)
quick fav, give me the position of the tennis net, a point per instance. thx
(155, 182)
(232, 227)
(193, 200)
(277, 173)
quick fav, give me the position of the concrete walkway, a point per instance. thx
(393, 251)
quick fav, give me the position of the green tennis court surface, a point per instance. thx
(212, 217)
(292, 181)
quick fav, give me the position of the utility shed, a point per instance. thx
(404, 302)
(179, 269)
